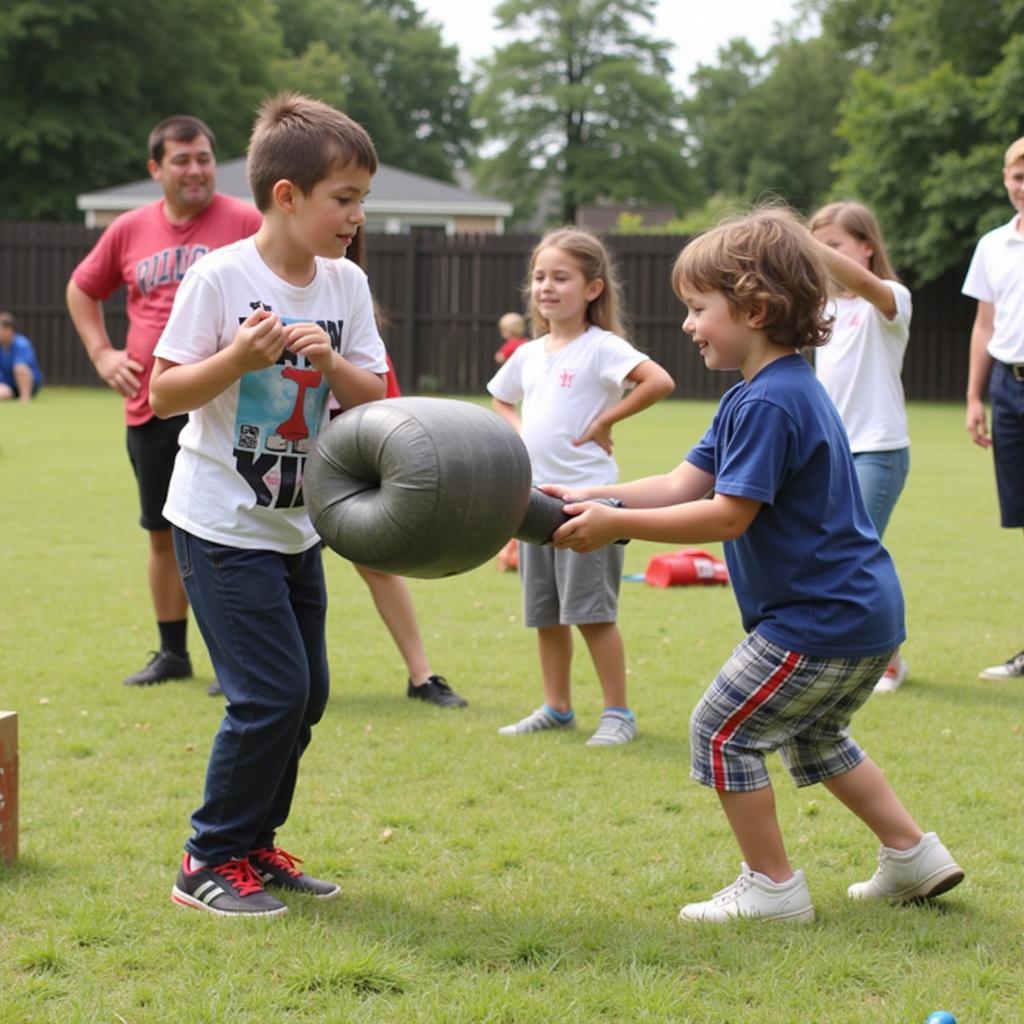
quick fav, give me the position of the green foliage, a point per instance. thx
(82, 86)
(581, 100)
(526, 881)
(714, 210)
(764, 125)
(390, 69)
(926, 154)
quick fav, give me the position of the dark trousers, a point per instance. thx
(1006, 392)
(262, 616)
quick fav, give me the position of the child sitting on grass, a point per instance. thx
(818, 594)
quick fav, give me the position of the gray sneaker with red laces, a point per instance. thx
(278, 868)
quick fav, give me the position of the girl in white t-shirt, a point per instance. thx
(575, 382)
(861, 364)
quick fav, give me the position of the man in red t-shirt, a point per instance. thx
(148, 251)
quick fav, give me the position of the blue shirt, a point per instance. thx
(20, 351)
(810, 573)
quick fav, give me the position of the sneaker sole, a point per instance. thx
(155, 682)
(942, 881)
(938, 883)
(805, 916)
(191, 903)
(332, 895)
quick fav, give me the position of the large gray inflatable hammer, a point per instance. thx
(425, 487)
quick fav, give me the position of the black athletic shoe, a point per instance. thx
(436, 691)
(231, 889)
(276, 867)
(164, 665)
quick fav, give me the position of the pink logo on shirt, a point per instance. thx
(565, 378)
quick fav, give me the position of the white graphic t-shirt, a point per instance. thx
(562, 393)
(237, 479)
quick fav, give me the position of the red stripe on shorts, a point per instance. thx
(744, 711)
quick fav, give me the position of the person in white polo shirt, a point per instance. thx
(996, 279)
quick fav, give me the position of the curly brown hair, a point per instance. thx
(762, 262)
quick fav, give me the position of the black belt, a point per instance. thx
(1017, 369)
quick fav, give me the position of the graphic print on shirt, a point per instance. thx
(280, 410)
(167, 266)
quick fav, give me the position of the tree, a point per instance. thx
(582, 99)
(718, 138)
(82, 86)
(926, 134)
(387, 67)
(765, 125)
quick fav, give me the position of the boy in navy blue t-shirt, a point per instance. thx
(818, 594)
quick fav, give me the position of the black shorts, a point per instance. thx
(152, 447)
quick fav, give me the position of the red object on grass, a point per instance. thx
(686, 567)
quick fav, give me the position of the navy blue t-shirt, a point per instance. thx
(810, 573)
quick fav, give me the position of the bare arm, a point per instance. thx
(978, 372)
(508, 413)
(113, 365)
(652, 383)
(684, 483)
(724, 517)
(859, 280)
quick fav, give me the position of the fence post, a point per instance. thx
(408, 371)
(8, 787)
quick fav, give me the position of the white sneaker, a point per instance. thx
(927, 869)
(1012, 669)
(894, 675)
(755, 895)
(613, 729)
(536, 721)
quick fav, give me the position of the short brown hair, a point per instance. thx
(764, 261)
(179, 128)
(301, 139)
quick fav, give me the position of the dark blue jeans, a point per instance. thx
(262, 616)
(1006, 393)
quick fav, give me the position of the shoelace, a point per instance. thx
(241, 875)
(281, 859)
(731, 892)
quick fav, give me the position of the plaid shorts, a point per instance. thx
(766, 698)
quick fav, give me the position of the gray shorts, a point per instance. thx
(563, 588)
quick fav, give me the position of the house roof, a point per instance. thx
(394, 192)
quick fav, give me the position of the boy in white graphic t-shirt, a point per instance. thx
(261, 333)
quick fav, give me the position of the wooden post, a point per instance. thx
(8, 786)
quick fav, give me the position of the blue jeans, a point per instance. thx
(262, 616)
(1006, 393)
(881, 476)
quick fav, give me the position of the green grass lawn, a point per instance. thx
(490, 879)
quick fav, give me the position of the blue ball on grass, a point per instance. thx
(940, 1017)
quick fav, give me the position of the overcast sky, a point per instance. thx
(696, 28)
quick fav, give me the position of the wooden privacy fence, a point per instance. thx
(442, 297)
